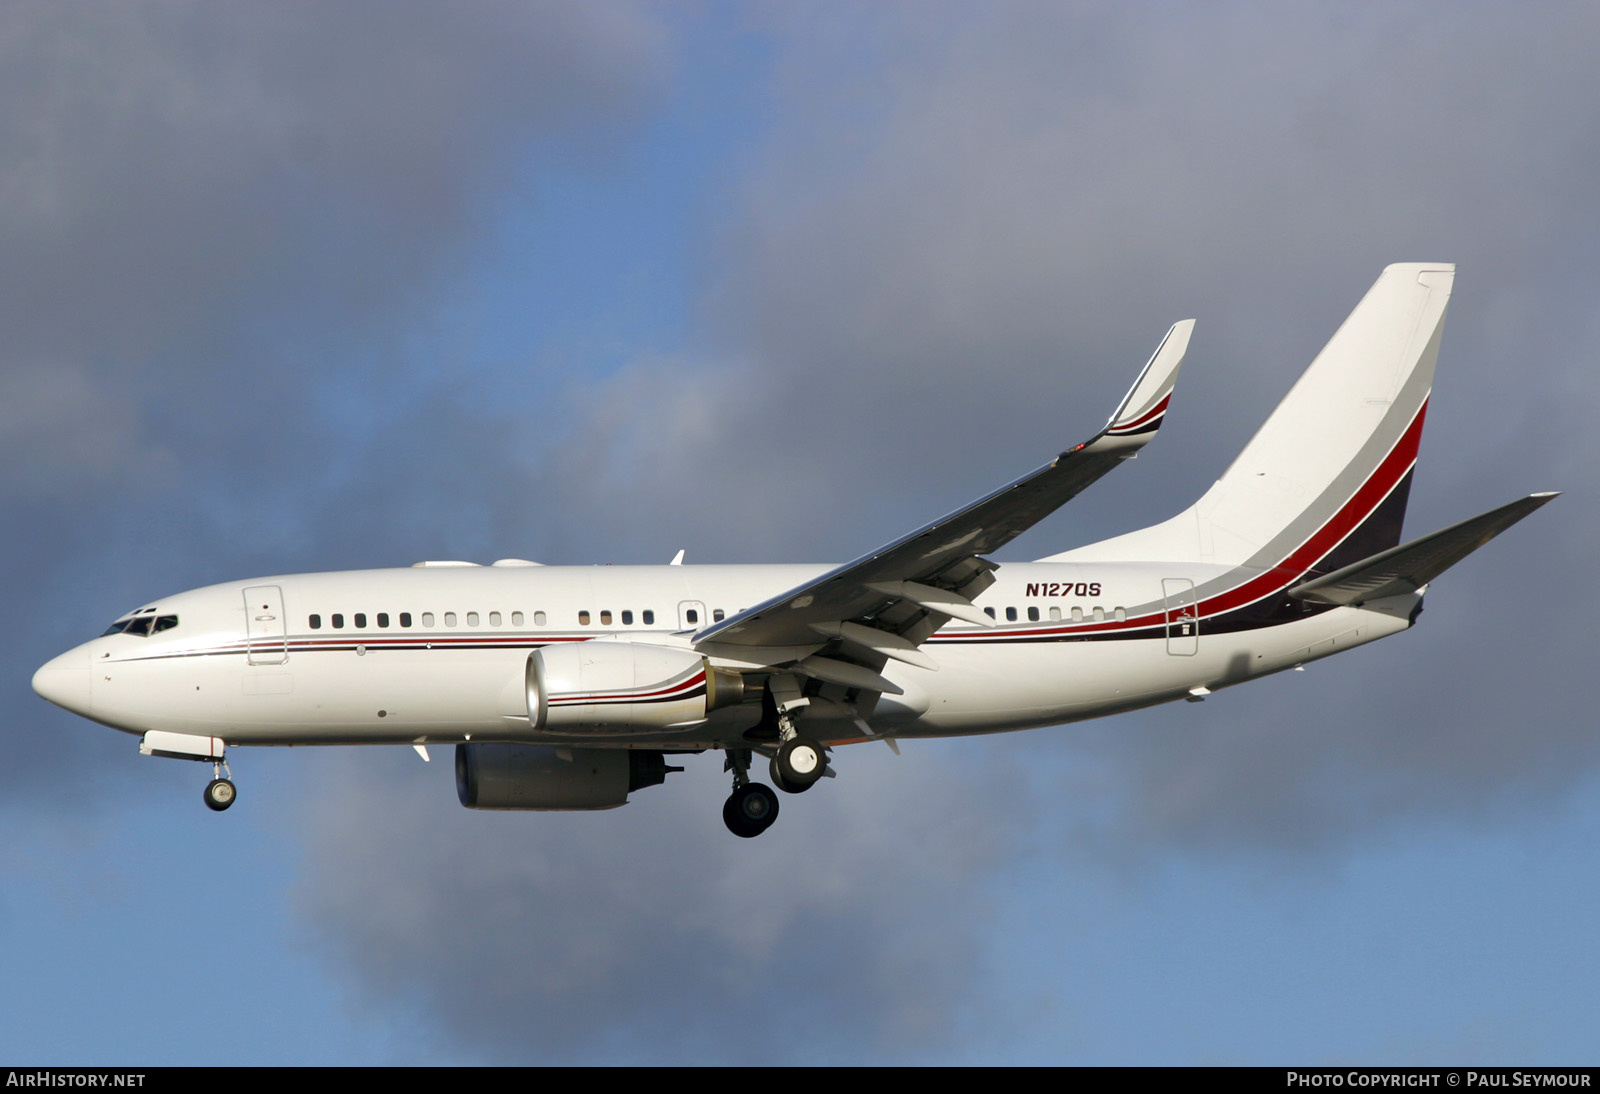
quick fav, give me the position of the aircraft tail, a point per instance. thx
(1324, 481)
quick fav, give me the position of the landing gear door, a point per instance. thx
(265, 626)
(1183, 621)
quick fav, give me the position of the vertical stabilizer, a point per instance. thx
(1324, 481)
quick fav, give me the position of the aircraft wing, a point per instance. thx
(888, 601)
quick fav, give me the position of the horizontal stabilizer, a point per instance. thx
(1410, 566)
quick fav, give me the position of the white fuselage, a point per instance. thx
(542, 675)
(436, 654)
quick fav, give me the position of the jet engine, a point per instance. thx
(598, 684)
(513, 776)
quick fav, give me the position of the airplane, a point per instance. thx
(571, 687)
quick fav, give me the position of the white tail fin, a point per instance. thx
(1328, 474)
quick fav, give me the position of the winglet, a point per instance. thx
(1145, 405)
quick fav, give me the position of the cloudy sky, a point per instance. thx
(308, 287)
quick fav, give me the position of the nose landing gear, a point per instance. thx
(220, 792)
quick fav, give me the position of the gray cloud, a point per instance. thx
(647, 934)
(920, 303)
(217, 221)
(207, 197)
(965, 235)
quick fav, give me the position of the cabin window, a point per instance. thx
(427, 619)
(1077, 615)
(583, 617)
(627, 618)
(648, 616)
(338, 619)
(405, 619)
(361, 619)
(692, 615)
(716, 615)
(449, 619)
(538, 618)
(1033, 615)
(989, 612)
(316, 622)
(1011, 615)
(1055, 613)
(1099, 614)
(605, 617)
(494, 619)
(383, 619)
(1120, 614)
(472, 619)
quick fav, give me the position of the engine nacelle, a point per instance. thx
(510, 776)
(627, 685)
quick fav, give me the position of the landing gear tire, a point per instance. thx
(799, 763)
(783, 784)
(220, 793)
(750, 810)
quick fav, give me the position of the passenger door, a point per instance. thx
(266, 629)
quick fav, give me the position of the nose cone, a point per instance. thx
(65, 681)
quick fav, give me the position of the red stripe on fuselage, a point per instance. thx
(1401, 458)
(1379, 485)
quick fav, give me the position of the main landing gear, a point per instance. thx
(798, 765)
(750, 810)
(752, 807)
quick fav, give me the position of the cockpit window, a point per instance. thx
(142, 625)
